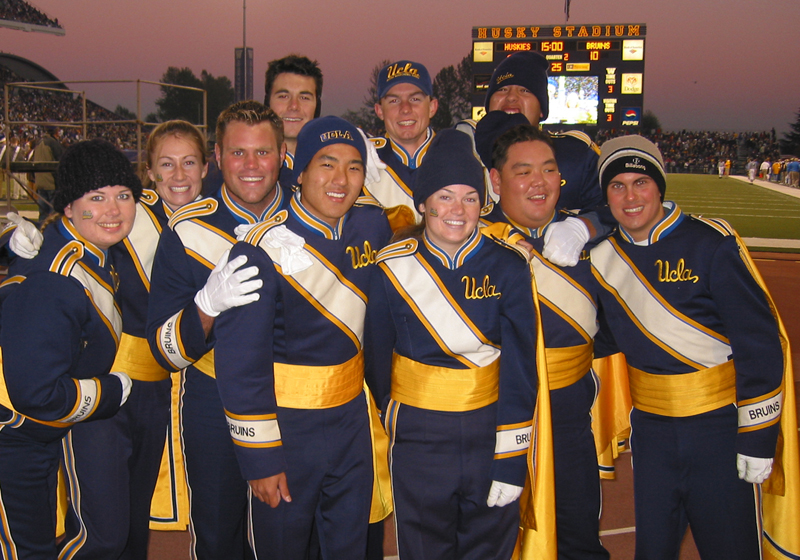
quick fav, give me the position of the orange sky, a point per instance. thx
(710, 64)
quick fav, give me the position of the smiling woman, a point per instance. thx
(59, 332)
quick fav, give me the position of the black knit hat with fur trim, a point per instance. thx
(91, 165)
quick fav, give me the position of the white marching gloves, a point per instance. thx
(753, 469)
(228, 287)
(242, 230)
(564, 241)
(502, 494)
(26, 239)
(126, 384)
(373, 166)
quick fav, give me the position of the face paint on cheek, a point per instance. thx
(433, 212)
(87, 215)
(159, 178)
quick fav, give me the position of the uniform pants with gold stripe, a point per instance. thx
(29, 459)
(111, 468)
(684, 474)
(441, 465)
(328, 455)
(577, 479)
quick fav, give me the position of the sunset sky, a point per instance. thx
(710, 64)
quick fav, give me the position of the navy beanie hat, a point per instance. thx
(490, 128)
(524, 68)
(631, 154)
(318, 133)
(450, 160)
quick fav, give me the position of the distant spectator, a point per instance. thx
(776, 171)
(765, 167)
(752, 168)
(727, 167)
(48, 149)
(721, 167)
(793, 168)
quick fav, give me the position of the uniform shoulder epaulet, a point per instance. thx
(66, 259)
(578, 135)
(367, 200)
(149, 197)
(257, 232)
(195, 209)
(506, 236)
(718, 224)
(400, 248)
(378, 141)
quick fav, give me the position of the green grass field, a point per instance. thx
(753, 211)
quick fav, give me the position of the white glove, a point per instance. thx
(502, 494)
(564, 241)
(243, 229)
(26, 239)
(373, 166)
(126, 384)
(226, 287)
(753, 469)
(294, 257)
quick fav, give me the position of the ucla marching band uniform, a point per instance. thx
(567, 298)
(706, 372)
(458, 416)
(290, 370)
(113, 465)
(198, 235)
(60, 304)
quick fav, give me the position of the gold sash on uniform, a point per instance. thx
(445, 389)
(206, 364)
(319, 386)
(685, 394)
(135, 359)
(566, 366)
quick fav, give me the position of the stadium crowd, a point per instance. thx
(17, 10)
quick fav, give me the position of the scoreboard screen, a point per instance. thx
(595, 74)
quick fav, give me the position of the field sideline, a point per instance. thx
(754, 211)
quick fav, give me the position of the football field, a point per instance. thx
(753, 211)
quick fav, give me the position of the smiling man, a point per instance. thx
(705, 362)
(293, 89)
(526, 177)
(290, 366)
(406, 106)
(187, 295)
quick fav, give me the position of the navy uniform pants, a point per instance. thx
(577, 476)
(29, 458)
(684, 474)
(441, 466)
(217, 491)
(329, 473)
(111, 467)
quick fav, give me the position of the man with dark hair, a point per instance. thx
(708, 364)
(187, 295)
(291, 367)
(519, 86)
(293, 89)
(525, 175)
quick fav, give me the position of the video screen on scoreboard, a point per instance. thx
(573, 99)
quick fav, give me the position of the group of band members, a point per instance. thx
(361, 325)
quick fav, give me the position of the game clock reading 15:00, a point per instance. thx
(595, 73)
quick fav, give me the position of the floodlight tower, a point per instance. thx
(243, 81)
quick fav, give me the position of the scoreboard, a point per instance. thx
(595, 75)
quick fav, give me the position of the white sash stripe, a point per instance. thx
(325, 287)
(446, 321)
(563, 294)
(388, 193)
(665, 324)
(508, 441)
(205, 242)
(144, 239)
(87, 399)
(103, 298)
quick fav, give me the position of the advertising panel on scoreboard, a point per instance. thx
(595, 73)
